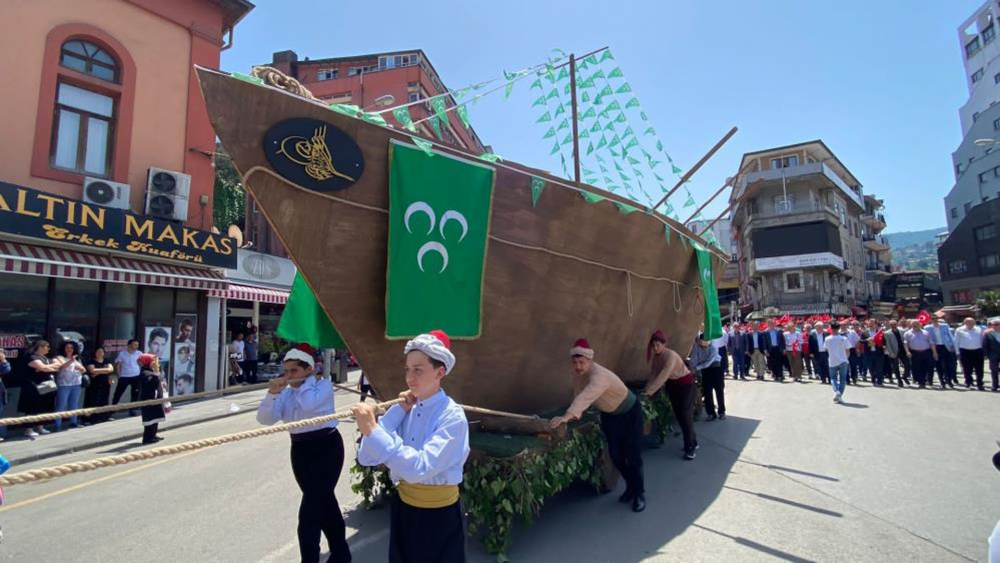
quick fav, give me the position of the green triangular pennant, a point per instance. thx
(539, 102)
(402, 115)
(567, 140)
(536, 84)
(553, 94)
(689, 202)
(598, 74)
(591, 198)
(632, 143)
(616, 73)
(507, 90)
(555, 149)
(585, 97)
(625, 208)
(614, 141)
(563, 74)
(666, 228)
(592, 60)
(596, 127)
(649, 131)
(621, 118)
(633, 103)
(537, 185)
(623, 88)
(463, 115)
(545, 117)
(584, 133)
(589, 113)
(614, 105)
(606, 56)
(436, 126)
(602, 143)
(642, 114)
(423, 145)
(559, 111)
(562, 125)
(634, 161)
(550, 133)
(590, 148)
(675, 169)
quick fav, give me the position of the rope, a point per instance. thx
(628, 290)
(47, 417)
(278, 79)
(34, 475)
(678, 303)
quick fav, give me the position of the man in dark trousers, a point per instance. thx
(774, 339)
(756, 350)
(817, 349)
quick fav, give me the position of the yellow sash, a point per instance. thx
(428, 496)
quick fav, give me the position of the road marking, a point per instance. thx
(282, 551)
(94, 482)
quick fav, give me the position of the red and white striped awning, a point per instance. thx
(17, 258)
(249, 293)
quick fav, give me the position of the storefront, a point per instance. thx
(258, 289)
(70, 270)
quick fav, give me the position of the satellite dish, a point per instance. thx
(236, 233)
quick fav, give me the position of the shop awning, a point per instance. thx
(249, 293)
(17, 258)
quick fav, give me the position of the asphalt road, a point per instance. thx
(893, 475)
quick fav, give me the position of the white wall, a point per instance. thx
(213, 345)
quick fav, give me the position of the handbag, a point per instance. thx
(46, 387)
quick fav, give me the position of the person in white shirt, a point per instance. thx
(127, 368)
(969, 346)
(853, 355)
(793, 351)
(317, 451)
(836, 348)
(424, 442)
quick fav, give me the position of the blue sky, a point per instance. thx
(879, 81)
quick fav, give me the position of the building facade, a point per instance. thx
(969, 259)
(912, 292)
(977, 37)
(106, 180)
(976, 165)
(802, 243)
(878, 256)
(373, 82)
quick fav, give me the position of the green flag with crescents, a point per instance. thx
(537, 185)
(463, 115)
(303, 319)
(435, 122)
(713, 318)
(402, 115)
(439, 215)
(440, 109)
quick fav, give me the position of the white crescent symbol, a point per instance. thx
(432, 247)
(416, 208)
(454, 216)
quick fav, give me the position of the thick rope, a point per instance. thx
(274, 77)
(628, 289)
(34, 475)
(47, 417)
(678, 302)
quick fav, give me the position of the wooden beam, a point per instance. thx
(695, 168)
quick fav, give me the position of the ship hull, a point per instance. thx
(555, 272)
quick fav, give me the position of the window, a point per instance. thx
(977, 76)
(75, 313)
(988, 34)
(968, 206)
(784, 162)
(393, 61)
(82, 130)
(961, 296)
(413, 97)
(84, 113)
(996, 124)
(784, 204)
(958, 169)
(989, 261)
(85, 57)
(972, 47)
(957, 267)
(361, 69)
(327, 74)
(975, 117)
(23, 305)
(954, 213)
(982, 177)
(793, 282)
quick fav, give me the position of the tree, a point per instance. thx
(230, 197)
(989, 302)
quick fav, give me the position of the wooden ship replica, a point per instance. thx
(555, 271)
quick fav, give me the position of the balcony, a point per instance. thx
(875, 243)
(810, 169)
(775, 214)
(878, 271)
(874, 220)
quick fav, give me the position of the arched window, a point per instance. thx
(90, 59)
(85, 106)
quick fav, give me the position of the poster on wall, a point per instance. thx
(183, 375)
(158, 344)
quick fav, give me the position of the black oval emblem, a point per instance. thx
(314, 154)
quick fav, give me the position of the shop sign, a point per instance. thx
(116, 345)
(31, 213)
(12, 344)
(816, 260)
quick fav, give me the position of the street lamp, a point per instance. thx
(985, 142)
(383, 101)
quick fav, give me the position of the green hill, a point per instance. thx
(911, 238)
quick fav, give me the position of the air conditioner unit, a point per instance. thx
(106, 193)
(167, 194)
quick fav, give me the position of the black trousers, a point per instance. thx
(316, 464)
(98, 395)
(876, 367)
(947, 365)
(713, 382)
(776, 363)
(923, 364)
(904, 360)
(995, 372)
(426, 535)
(724, 358)
(821, 360)
(682, 401)
(972, 362)
(133, 383)
(623, 432)
(249, 370)
(854, 361)
(149, 432)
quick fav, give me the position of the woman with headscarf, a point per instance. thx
(151, 387)
(667, 369)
